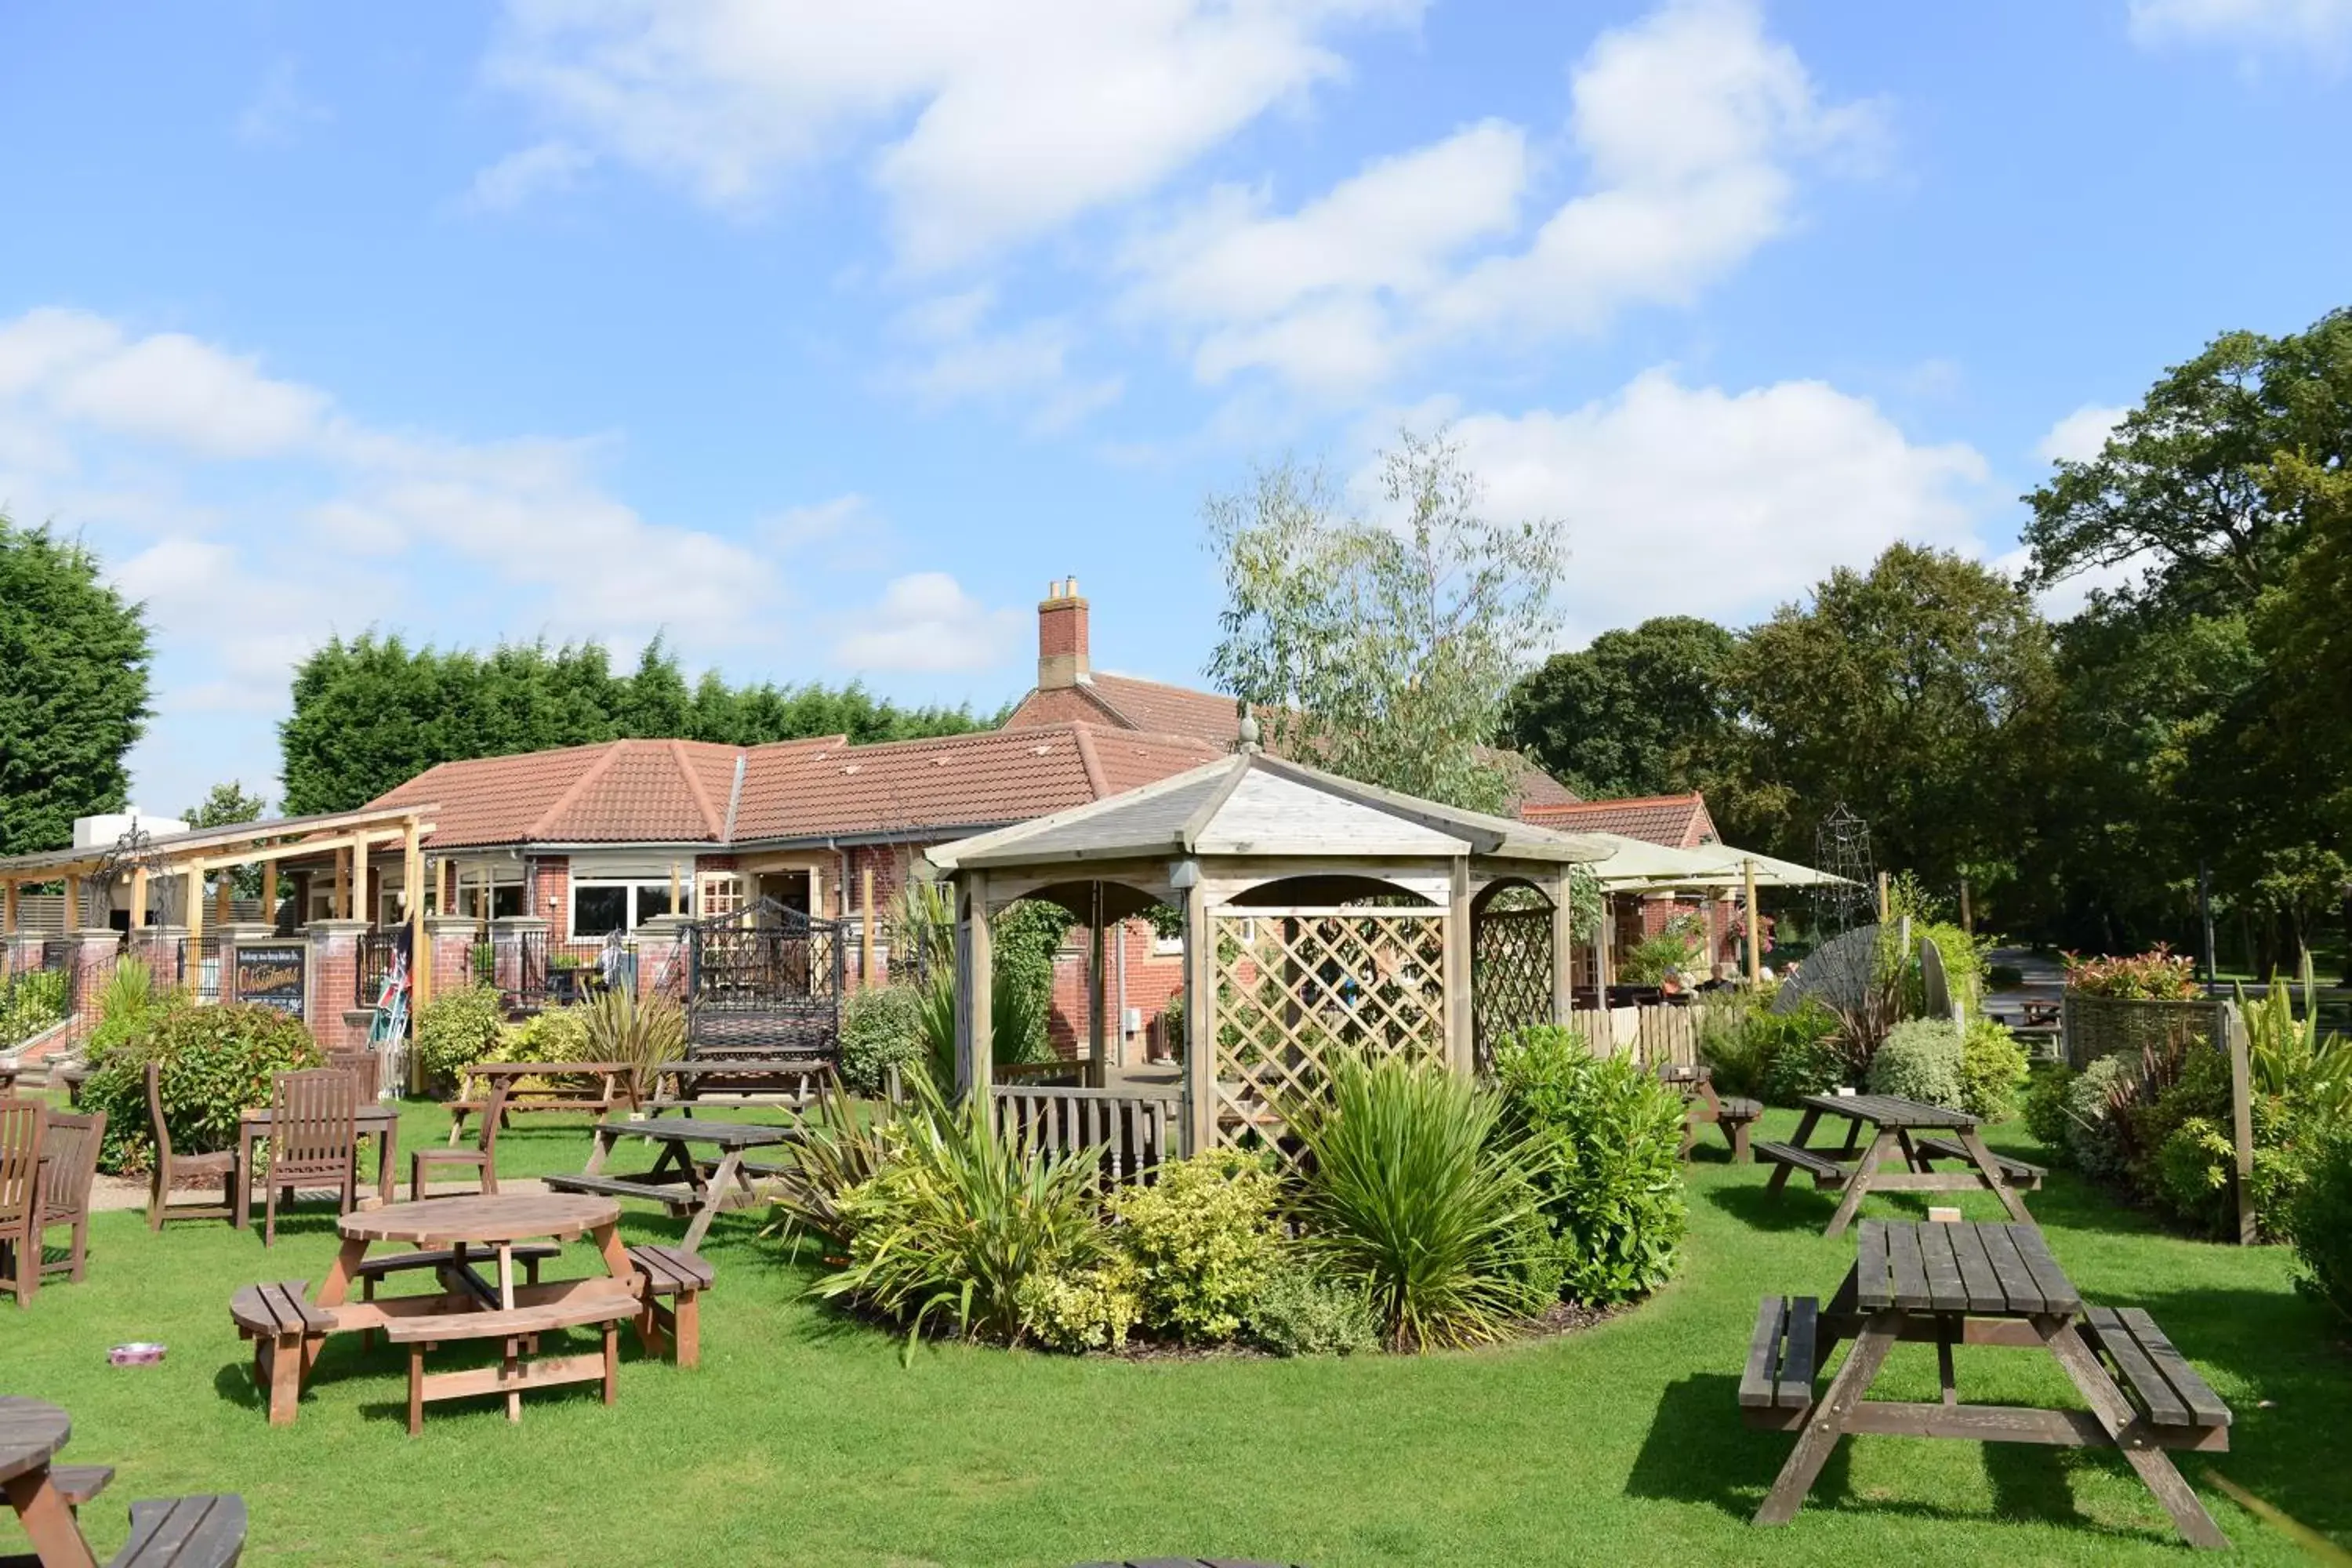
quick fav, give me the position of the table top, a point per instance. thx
(725, 1065)
(483, 1219)
(371, 1115)
(695, 1130)
(1887, 1110)
(1981, 1269)
(543, 1069)
(31, 1433)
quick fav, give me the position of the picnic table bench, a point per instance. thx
(791, 1083)
(1952, 1284)
(373, 1119)
(1732, 1114)
(165, 1532)
(696, 1190)
(1910, 1133)
(597, 1087)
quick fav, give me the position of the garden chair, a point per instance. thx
(71, 1144)
(481, 1157)
(174, 1170)
(313, 1137)
(365, 1066)
(20, 1197)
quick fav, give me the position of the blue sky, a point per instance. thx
(821, 337)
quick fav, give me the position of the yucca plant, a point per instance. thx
(839, 1149)
(1017, 1021)
(957, 1217)
(1415, 1195)
(640, 1033)
(2287, 1056)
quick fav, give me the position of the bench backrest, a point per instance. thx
(72, 1142)
(312, 1117)
(20, 1158)
(365, 1066)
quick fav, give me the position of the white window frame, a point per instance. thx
(630, 920)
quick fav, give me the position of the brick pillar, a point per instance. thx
(332, 984)
(25, 952)
(452, 939)
(661, 954)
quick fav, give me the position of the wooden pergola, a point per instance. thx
(1318, 914)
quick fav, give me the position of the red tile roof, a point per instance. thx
(1676, 821)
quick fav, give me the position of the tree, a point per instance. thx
(225, 806)
(1913, 693)
(74, 659)
(1382, 652)
(1638, 713)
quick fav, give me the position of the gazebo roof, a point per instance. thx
(1251, 805)
(1640, 866)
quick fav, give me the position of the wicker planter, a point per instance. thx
(2095, 1026)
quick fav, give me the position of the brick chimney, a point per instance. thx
(1061, 636)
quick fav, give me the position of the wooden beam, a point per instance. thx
(975, 988)
(270, 892)
(1563, 946)
(1755, 924)
(73, 901)
(343, 904)
(224, 891)
(192, 902)
(138, 899)
(1461, 1049)
(8, 908)
(1098, 1044)
(1200, 1022)
(864, 924)
(2241, 1119)
(412, 889)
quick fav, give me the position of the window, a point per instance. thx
(600, 907)
(506, 900)
(719, 892)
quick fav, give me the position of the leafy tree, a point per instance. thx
(1384, 653)
(225, 806)
(74, 659)
(1913, 693)
(372, 713)
(1638, 713)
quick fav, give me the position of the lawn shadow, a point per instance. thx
(233, 1384)
(1698, 1450)
(1793, 1208)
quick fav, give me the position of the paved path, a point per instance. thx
(112, 1193)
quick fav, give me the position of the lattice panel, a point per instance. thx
(1510, 975)
(1294, 989)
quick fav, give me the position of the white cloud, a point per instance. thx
(169, 387)
(280, 109)
(1697, 501)
(2321, 28)
(2079, 436)
(955, 357)
(927, 621)
(1691, 122)
(552, 165)
(998, 121)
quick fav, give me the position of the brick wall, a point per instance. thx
(550, 878)
(1151, 980)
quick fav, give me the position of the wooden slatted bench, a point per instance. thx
(2016, 1173)
(512, 1375)
(76, 1484)
(1775, 1389)
(677, 1197)
(368, 1270)
(613, 1089)
(2160, 1382)
(1825, 1170)
(287, 1333)
(183, 1533)
(682, 1277)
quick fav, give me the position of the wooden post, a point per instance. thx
(1968, 919)
(816, 894)
(1200, 1021)
(1097, 1047)
(1884, 902)
(1563, 947)
(344, 856)
(224, 891)
(412, 888)
(193, 906)
(864, 924)
(138, 899)
(73, 902)
(270, 893)
(1600, 935)
(974, 990)
(8, 908)
(1755, 924)
(2241, 1120)
(1461, 1049)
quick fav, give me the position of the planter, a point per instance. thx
(2095, 1026)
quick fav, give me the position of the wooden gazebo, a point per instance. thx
(1318, 914)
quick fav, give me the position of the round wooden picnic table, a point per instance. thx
(31, 1432)
(483, 1220)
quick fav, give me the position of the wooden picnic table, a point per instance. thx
(792, 1083)
(168, 1532)
(677, 1180)
(31, 1432)
(1914, 1134)
(1954, 1284)
(594, 1086)
(373, 1120)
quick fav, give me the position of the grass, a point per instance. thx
(802, 1440)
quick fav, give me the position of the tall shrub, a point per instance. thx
(881, 1028)
(216, 1061)
(1610, 1136)
(1920, 1060)
(456, 1028)
(2321, 1221)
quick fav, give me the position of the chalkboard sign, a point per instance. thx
(270, 975)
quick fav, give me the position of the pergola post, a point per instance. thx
(412, 889)
(1563, 947)
(344, 855)
(1097, 1042)
(1755, 925)
(224, 891)
(1601, 975)
(138, 899)
(975, 986)
(1200, 1011)
(8, 908)
(73, 902)
(270, 892)
(193, 904)
(1461, 1050)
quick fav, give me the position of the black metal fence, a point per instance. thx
(549, 974)
(769, 976)
(197, 965)
(380, 953)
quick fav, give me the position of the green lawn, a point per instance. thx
(801, 1439)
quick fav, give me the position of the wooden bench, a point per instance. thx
(287, 1333)
(512, 1375)
(709, 1083)
(681, 1276)
(1734, 1114)
(613, 1090)
(2157, 1378)
(2016, 1173)
(1825, 1170)
(530, 1254)
(76, 1484)
(183, 1533)
(1777, 1387)
(677, 1197)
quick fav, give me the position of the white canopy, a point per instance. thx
(1639, 865)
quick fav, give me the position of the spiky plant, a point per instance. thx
(640, 1033)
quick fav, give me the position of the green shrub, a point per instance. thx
(553, 1034)
(1203, 1240)
(1919, 1059)
(1742, 1040)
(1993, 1067)
(2045, 1104)
(2320, 1220)
(1297, 1311)
(1610, 1135)
(639, 1032)
(1416, 1195)
(128, 1006)
(957, 1220)
(1648, 962)
(2097, 1139)
(457, 1028)
(29, 1003)
(881, 1028)
(2157, 975)
(216, 1061)
(1091, 1309)
(1806, 1064)
(839, 1150)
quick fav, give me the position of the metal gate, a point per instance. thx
(767, 976)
